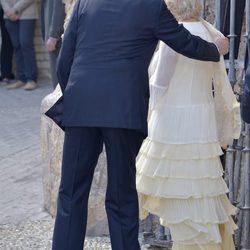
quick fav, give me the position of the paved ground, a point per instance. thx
(20, 177)
(24, 225)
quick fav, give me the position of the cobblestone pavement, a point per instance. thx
(24, 225)
(36, 235)
(21, 195)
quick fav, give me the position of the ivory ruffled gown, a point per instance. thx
(179, 173)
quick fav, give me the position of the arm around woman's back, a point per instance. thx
(179, 39)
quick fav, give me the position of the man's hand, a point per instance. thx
(222, 45)
(51, 44)
(14, 18)
(12, 15)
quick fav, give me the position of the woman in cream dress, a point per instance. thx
(179, 173)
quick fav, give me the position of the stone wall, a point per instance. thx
(51, 144)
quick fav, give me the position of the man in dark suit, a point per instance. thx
(103, 73)
(52, 20)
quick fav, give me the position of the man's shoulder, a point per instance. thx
(144, 7)
(146, 3)
(152, 7)
(154, 3)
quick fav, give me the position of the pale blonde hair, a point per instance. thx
(185, 9)
(69, 6)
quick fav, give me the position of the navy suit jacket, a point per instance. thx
(103, 63)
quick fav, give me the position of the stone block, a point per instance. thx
(39, 49)
(43, 64)
(44, 74)
(42, 57)
(51, 146)
(38, 40)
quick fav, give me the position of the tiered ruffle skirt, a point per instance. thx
(183, 184)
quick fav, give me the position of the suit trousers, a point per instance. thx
(82, 147)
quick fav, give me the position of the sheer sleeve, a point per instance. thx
(162, 69)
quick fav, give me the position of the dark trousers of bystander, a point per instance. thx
(6, 51)
(22, 37)
(52, 59)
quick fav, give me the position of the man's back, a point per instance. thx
(115, 30)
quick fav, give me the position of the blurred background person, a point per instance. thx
(52, 20)
(245, 98)
(20, 19)
(6, 52)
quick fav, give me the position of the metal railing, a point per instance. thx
(237, 162)
(238, 155)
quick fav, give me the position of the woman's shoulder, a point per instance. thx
(197, 25)
(197, 28)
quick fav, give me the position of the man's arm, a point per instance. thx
(180, 39)
(42, 14)
(58, 16)
(56, 27)
(21, 5)
(5, 5)
(66, 55)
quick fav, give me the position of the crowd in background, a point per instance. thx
(18, 21)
